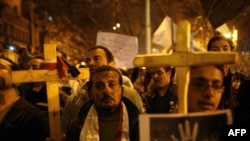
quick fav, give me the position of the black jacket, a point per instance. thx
(242, 112)
(162, 104)
(24, 122)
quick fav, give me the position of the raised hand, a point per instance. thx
(186, 135)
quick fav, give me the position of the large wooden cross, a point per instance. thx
(182, 58)
(51, 78)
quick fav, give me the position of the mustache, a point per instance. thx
(106, 97)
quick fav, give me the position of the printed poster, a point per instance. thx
(202, 126)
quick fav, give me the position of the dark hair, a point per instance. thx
(109, 55)
(220, 67)
(173, 71)
(103, 69)
(217, 38)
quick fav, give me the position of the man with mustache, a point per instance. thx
(108, 116)
(96, 57)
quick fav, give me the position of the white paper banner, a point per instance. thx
(123, 47)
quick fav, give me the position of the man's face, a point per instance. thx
(160, 77)
(220, 46)
(95, 58)
(35, 63)
(205, 88)
(5, 77)
(106, 90)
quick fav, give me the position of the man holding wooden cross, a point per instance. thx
(96, 56)
(52, 77)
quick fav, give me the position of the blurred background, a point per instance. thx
(74, 24)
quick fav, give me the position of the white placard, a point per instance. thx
(123, 47)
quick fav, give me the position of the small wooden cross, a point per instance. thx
(182, 58)
(51, 78)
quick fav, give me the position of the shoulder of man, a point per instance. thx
(26, 112)
(74, 126)
(134, 97)
(133, 114)
(131, 107)
(126, 81)
(239, 76)
(81, 95)
(85, 109)
(131, 93)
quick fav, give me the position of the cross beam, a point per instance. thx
(24, 76)
(51, 77)
(182, 59)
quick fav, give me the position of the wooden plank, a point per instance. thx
(54, 110)
(183, 45)
(185, 59)
(44, 75)
(53, 96)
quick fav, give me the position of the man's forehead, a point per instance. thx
(95, 52)
(220, 42)
(105, 75)
(205, 71)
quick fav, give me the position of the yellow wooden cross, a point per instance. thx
(182, 58)
(51, 78)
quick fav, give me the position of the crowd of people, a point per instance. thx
(107, 105)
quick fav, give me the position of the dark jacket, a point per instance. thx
(24, 122)
(242, 112)
(229, 97)
(75, 126)
(162, 104)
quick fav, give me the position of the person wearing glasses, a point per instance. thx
(205, 88)
(232, 80)
(205, 91)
